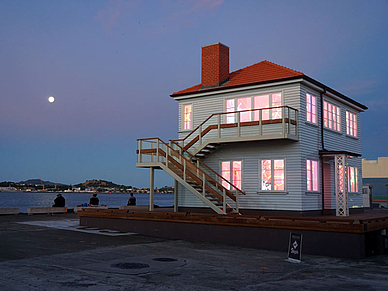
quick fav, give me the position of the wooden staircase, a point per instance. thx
(192, 173)
(206, 151)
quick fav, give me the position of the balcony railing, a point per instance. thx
(254, 124)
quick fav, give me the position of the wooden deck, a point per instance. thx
(371, 220)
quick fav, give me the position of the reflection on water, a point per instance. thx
(23, 200)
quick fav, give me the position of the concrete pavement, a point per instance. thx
(43, 252)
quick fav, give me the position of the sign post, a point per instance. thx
(295, 248)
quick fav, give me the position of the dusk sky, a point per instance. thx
(111, 66)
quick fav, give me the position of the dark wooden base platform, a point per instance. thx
(354, 237)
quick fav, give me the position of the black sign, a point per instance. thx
(295, 247)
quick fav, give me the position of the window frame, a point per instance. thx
(311, 113)
(353, 169)
(252, 115)
(327, 114)
(272, 177)
(354, 121)
(184, 116)
(231, 174)
(312, 176)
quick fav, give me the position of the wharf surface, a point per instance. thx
(40, 253)
(353, 237)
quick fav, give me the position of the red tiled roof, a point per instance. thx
(264, 71)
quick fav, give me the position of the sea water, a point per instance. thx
(23, 200)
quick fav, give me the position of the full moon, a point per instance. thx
(51, 99)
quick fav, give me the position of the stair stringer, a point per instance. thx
(191, 189)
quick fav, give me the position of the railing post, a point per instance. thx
(238, 125)
(237, 202)
(219, 126)
(289, 120)
(167, 154)
(283, 122)
(139, 157)
(203, 185)
(224, 199)
(197, 167)
(152, 187)
(157, 150)
(200, 135)
(184, 169)
(176, 196)
(260, 121)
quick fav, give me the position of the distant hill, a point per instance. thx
(98, 184)
(37, 182)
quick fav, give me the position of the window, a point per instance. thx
(260, 102)
(244, 104)
(187, 117)
(352, 179)
(351, 124)
(230, 108)
(311, 108)
(276, 102)
(312, 175)
(231, 171)
(255, 102)
(331, 116)
(272, 175)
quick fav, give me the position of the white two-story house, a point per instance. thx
(259, 140)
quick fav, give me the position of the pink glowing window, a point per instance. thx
(352, 179)
(230, 108)
(272, 175)
(259, 103)
(266, 175)
(331, 116)
(351, 124)
(225, 173)
(231, 171)
(278, 175)
(312, 175)
(244, 104)
(311, 108)
(237, 174)
(276, 102)
(187, 117)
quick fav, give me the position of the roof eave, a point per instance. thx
(307, 78)
(235, 86)
(328, 89)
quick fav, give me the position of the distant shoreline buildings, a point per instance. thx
(90, 186)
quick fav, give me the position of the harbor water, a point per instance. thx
(23, 200)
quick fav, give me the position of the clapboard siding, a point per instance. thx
(251, 152)
(296, 197)
(310, 143)
(339, 141)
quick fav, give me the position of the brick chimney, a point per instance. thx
(215, 64)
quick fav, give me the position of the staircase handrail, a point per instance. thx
(201, 162)
(207, 167)
(233, 112)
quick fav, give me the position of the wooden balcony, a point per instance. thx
(248, 125)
